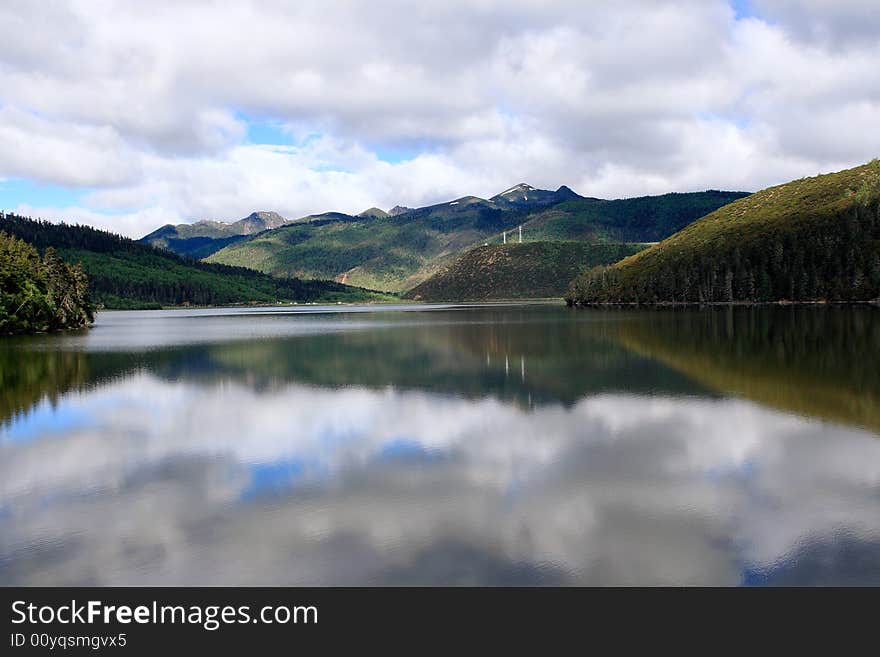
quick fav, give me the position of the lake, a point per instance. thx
(511, 444)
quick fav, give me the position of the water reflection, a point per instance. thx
(520, 445)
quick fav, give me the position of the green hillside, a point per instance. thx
(811, 239)
(126, 274)
(388, 253)
(516, 271)
(642, 219)
(399, 252)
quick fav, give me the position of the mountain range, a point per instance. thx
(813, 239)
(397, 250)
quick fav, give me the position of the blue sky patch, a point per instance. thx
(396, 154)
(17, 191)
(741, 122)
(403, 449)
(267, 132)
(273, 478)
(743, 9)
(43, 419)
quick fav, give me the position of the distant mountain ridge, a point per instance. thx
(205, 237)
(256, 222)
(392, 252)
(397, 252)
(524, 195)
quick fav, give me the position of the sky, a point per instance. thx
(129, 115)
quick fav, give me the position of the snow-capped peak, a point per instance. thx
(522, 187)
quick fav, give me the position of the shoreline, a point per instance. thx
(673, 304)
(311, 304)
(282, 304)
(534, 300)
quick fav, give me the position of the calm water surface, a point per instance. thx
(521, 444)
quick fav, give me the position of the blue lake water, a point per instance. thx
(484, 445)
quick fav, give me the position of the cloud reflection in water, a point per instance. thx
(181, 483)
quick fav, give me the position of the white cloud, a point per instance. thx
(831, 23)
(146, 103)
(60, 152)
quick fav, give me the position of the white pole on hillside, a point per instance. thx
(520, 234)
(505, 237)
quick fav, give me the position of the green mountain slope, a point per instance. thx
(517, 271)
(388, 253)
(642, 219)
(126, 274)
(400, 251)
(811, 239)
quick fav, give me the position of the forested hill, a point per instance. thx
(811, 239)
(40, 293)
(126, 274)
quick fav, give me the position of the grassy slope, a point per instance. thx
(513, 271)
(794, 216)
(397, 253)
